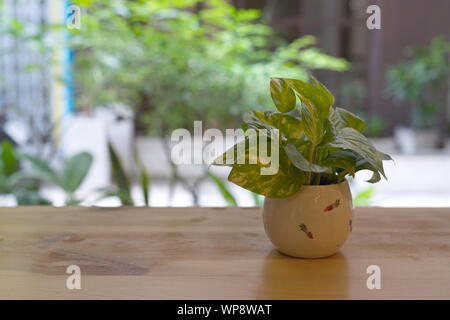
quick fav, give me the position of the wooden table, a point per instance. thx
(214, 253)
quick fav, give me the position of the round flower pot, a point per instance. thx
(313, 223)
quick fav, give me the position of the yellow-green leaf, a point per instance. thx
(282, 95)
(342, 118)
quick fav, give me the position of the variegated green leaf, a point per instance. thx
(342, 159)
(300, 161)
(384, 156)
(282, 95)
(318, 96)
(329, 131)
(248, 151)
(312, 125)
(289, 126)
(342, 118)
(364, 165)
(351, 139)
(327, 96)
(283, 184)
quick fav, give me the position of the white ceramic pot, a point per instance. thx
(313, 223)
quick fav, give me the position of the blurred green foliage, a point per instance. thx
(364, 197)
(177, 61)
(172, 62)
(122, 183)
(14, 181)
(353, 94)
(223, 189)
(69, 179)
(421, 79)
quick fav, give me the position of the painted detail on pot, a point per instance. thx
(304, 228)
(332, 206)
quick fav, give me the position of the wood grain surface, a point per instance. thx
(215, 253)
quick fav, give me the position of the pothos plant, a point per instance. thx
(317, 144)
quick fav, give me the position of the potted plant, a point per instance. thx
(421, 81)
(308, 208)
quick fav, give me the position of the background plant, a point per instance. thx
(69, 178)
(183, 61)
(178, 61)
(364, 197)
(122, 188)
(320, 145)
(421, 80)
(353, 93)
(14, 182)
